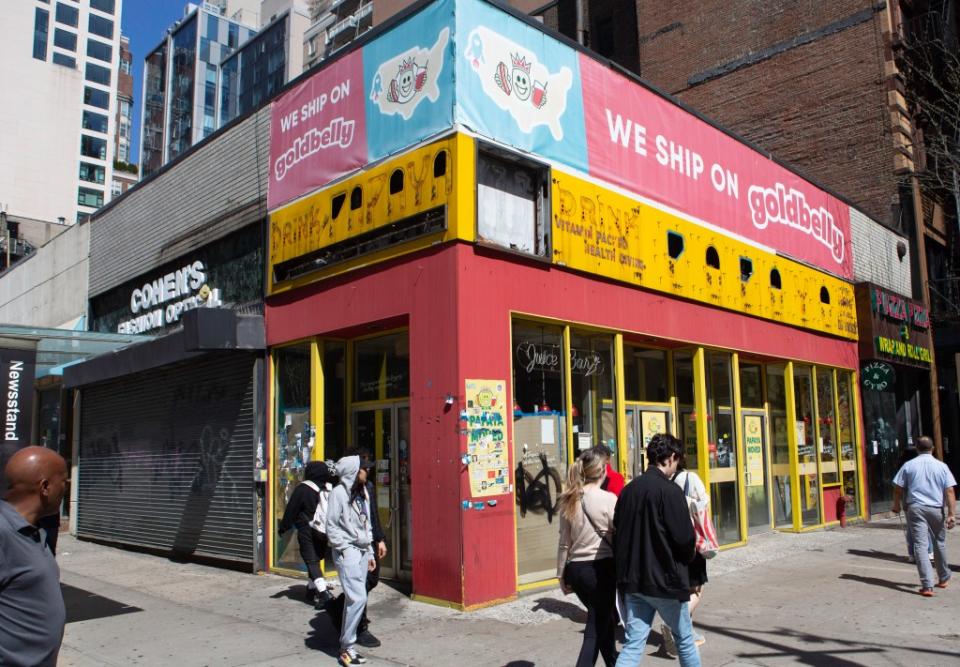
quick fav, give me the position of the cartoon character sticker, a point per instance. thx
(410, 78)
(518, 82)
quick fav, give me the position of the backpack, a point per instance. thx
(319, 521)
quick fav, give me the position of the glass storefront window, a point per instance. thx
(334, 399)
(848, 445)
(540, 446)
(293, 440)
(780, 446)
(827, 425)
(645, 375)
(591, 377)
(724, 486)
(382, 369)
(751, 386)
(806, 447)
(687, 418)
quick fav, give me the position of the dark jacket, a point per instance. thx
(375, 526)
(654, 538)
(303, 501)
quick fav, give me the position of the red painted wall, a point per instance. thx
(421, 289)
(458, 301)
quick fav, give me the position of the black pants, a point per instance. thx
(313, 549)
(335, 608)
(595, 583)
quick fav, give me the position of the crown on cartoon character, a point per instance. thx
(408, 65)
(520, 62)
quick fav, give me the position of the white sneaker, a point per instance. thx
(669, 645)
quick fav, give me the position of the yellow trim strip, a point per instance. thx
(621, 411)
(738, 436)
(700, 407)
(793, 446)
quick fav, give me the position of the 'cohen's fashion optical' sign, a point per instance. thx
(161, 302)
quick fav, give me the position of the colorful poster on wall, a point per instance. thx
(518, 85)
(652, 423)
(409, 81)
(646, 144)
(753, 445)
(489, 464)
(317, 131)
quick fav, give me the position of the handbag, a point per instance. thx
(707, 544)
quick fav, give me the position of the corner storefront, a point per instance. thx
(483, 293)
(895, 353)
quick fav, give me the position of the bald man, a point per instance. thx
(31, 604)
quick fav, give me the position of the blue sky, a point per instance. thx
(145, 22)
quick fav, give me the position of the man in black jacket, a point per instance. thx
(299, 514)
(365, 638)
(654, 542)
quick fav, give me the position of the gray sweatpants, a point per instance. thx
(352, 569)
(926, 522)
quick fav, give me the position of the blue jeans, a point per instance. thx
(640, 610)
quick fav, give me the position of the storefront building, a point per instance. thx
(895, 355)
(170, 427)
(515, 253)
(170, 448)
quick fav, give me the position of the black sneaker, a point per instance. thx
(351, 657)
(322, 600)
(366, 639)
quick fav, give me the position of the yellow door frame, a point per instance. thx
(700, 408)
(793, 447)
(620, 408)
(738, 441)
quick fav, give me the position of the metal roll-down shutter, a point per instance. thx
(166, 458)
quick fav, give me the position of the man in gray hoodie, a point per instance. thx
(350, 536)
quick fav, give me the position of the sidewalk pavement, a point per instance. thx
(837, 598)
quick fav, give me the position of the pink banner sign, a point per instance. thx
(317, 131)
(645, 144)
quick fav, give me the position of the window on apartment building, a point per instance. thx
(123, 154)
(124, 109)
(67, 15)
(125, 66)
(511, 202)
(95, 121)
(96, 98)
(100, 26)
(65, 60)
(116, 189)
(92, 173)
(65, 39)
(93, 147)
(89, 197)
(41, 30)
(312, 47)
(105, 6)
(98, 74)
(99, 50)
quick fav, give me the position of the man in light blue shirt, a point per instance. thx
(926, 485)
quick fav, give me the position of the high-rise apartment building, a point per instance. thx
(267, 61)
(180, 83)
(124, 173)
(58, 64)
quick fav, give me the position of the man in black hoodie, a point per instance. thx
(318, 479)
(654, 542)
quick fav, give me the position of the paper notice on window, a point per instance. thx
(546, 432)
(584, 441)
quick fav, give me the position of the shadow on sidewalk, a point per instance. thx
(562, 608)
(323, 637)
(886, 555)
(884, 583)
(296, 592)
(825, 657)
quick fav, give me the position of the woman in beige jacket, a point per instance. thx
(585, 562)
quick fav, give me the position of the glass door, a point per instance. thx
(755, 467)
(643, 422)
(385, 432)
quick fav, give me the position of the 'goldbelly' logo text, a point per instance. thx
(789, 207)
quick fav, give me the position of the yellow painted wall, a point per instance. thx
(603, 232)
(594, 229)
